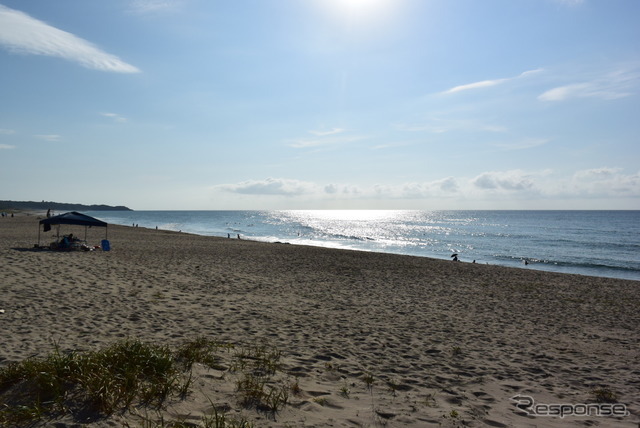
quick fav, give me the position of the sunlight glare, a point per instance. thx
(362, 11)
(352, 215)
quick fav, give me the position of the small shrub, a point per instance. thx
(368, 380)
(604, 395)
(345, 392)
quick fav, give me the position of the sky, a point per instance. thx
(321, 104)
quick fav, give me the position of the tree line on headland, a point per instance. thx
(57, 206)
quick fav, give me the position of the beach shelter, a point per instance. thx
(74, 218)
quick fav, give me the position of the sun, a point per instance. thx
(359, 10)
(361, 5)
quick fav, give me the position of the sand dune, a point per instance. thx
(444, 343)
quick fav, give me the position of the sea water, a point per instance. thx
(597, 243)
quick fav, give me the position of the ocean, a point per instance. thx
(596, 243)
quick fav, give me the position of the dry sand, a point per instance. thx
(454, 340)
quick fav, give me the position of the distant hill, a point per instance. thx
(57, 206)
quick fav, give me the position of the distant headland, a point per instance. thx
(57, 206)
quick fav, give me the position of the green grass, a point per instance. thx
(204, 351)
(99, 382)
(132, 372)
(604, 394)
(256, 387)
(215, 419)
(368, 380)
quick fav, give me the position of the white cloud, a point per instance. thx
(596, 173)
(437, 125)
(475, 85)
(6, 147)
(442, 187)
(270, 186)
(489, 83)
(329, 132)
(391, 145)
(342, 189)
(290, 187)
(48, 137)
(324, 138)
(605, 181)
(154, 6)
(527, 143)
(116, 117)
(617, 84)
(504, 180)
(7, 131)
(583, 90)
(21, 33)
(570, 2)
(491, 186)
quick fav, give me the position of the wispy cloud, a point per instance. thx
(116, 117)
(438, 125)
(527, 143)
(570, 2)
(6, 147)
(324, 138)
(7, 131)
(618, 84)
(49, 137)
(392, 145)
(21, 33)
(489, 83)
(329, 132)
(154, 6)
(270, 186)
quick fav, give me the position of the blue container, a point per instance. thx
(105, 245)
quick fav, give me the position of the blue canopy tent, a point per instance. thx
(73, 218)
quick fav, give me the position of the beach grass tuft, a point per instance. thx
(368, 380)
(215, 419)
(131, 372)
(204, 351)
(101, 381)
(604, 394)
(256, 366)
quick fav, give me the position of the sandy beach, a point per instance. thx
(441, 343)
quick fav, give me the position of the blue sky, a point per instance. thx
(312, 104)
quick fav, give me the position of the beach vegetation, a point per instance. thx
(134, 374)
(257, 364)
(259, 392)
(97, 382)
(368, 380)
(204, 351)
(345, 391)
(604, 394)
(430, 400)
(215, 419)
(393, 387)
(261, 359)
(456, 351)
(322, 401)
(295, 387)
(329, 367)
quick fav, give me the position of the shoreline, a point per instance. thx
(443, 342)
(566, 266)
